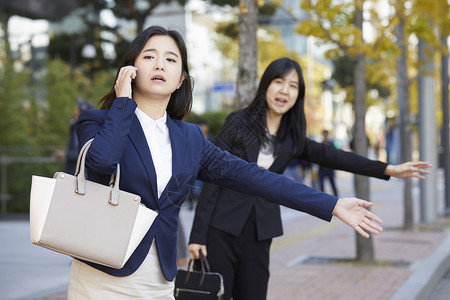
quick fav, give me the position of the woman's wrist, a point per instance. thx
(388, 170)
(336, 208)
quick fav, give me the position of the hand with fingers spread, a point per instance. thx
(123, 83)
(352, 212)
(408, 169)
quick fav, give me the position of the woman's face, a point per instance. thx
(282, 93)
(159, 69)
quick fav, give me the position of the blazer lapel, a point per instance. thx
(139, 141)
(252, 150)
(178, 144)
(283, 155)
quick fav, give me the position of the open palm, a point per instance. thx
(352, 212)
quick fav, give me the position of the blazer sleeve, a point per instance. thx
(330, 157)
(224, 169)
(110, 129)
(210, 191)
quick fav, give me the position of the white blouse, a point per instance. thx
(265, 156)
(158, 140)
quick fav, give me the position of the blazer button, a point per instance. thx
(120, 106)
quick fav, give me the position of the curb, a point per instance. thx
(427, 274)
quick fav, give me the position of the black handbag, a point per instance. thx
(198, 284)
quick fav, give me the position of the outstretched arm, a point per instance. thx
(408, 169)
(352, 212)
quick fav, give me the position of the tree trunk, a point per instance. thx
(364, 247)
(140, 21)
(427, 130)
(4, 19)
(405, 121)
(248, 49)
(445, 141)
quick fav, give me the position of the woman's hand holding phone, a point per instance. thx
(123, 83)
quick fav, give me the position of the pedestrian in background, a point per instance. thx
(294, 170)
(235, 230)
(140, 127)
(324, 172)
(204, 126)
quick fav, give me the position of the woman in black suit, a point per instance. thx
(271, 132)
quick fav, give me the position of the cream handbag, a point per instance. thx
(85, 219)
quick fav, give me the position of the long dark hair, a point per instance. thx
(293, 121)
(180, 102)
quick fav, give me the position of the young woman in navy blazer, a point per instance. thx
(237, 229)
(139, 126)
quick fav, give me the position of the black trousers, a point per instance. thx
(243, 262)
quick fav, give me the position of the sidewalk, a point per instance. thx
(312, 260)
(28, 271)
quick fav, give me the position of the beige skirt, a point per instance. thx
(147, 282)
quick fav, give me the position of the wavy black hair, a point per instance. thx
(180, 102)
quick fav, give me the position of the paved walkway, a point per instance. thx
(312, 260)
(28, 271)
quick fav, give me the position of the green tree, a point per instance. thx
(104, 81)
(68, 46)
(59, 99)
(14, 138)
(60, 94)
(13, 100)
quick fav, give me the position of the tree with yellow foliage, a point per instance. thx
(340, 24)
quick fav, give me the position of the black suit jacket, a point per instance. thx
(228, 210)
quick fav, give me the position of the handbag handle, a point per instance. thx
(81, 175)
(204, 268)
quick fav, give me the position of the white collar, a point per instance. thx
(145, 120)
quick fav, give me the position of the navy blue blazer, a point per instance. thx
(119, 138)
